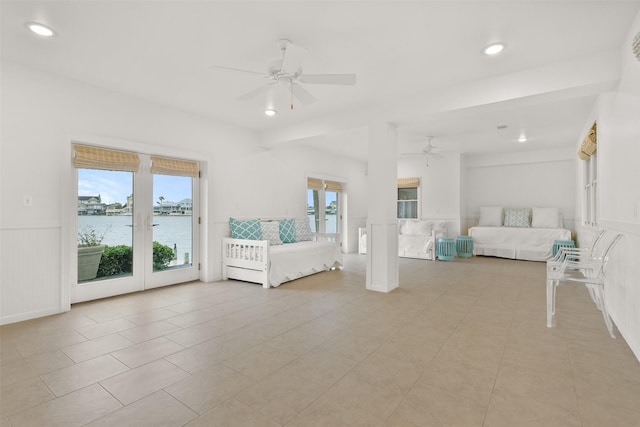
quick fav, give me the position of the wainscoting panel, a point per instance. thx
(30, 273)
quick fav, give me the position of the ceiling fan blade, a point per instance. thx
(241, 70)
(329, 79)
(250, 95)
(302, 94)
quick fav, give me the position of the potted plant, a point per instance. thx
(90, 250)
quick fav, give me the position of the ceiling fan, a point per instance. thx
(429, 150)
(288, 71)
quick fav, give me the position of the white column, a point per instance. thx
(382, 222)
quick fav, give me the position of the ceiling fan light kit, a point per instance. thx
(494, 48)
(40, 29)
(288, 72)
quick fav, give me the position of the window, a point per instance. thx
(590, 196)
(588, 153)
(408, 197)
(323, 205)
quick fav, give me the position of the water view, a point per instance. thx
(331, 223)
(170, 230)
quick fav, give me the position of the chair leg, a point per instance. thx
(597, 293)
(594, 296)
(551, 303)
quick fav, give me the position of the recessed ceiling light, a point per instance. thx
(522, 138)
(40, 29)
(270, 112)
(494, 49)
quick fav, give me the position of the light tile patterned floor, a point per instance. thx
(460, 343)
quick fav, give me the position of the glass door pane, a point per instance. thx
(331, 212)
(313, 209)
(172, 222)
(105, 225)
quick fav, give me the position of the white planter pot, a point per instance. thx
(89, 261)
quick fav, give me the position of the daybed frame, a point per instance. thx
(249, 260)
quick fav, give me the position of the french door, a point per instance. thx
(143, 224)
(323, 206)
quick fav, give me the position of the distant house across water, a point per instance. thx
(183, 207)
(91, 205)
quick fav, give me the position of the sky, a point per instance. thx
(114, 186)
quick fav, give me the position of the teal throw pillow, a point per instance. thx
(288, 231)
(245, 229)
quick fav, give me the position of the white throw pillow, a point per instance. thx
(424, 227)
(545, 218)
(440, 225)
(414, 227)
(405, 227)
(411, 228)
(519, 218)
(303, 230)
(271, 232)
(490, 216)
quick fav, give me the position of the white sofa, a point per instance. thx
(511, 233)
(416, 238)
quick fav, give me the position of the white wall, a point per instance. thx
(42, 112)
(439, 187)
(618, 118)
(278, 188)
(544, 178)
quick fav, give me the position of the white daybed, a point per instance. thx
(416, 239)
(261, 261)
(527, 238)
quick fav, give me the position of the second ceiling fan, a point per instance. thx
(288, 71)
(429, 150)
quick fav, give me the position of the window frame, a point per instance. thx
(590, 202)
(416, 201)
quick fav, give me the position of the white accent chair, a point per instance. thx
(586, 266)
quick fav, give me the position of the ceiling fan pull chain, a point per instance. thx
(291, 85)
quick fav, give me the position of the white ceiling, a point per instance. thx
(419, 64)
